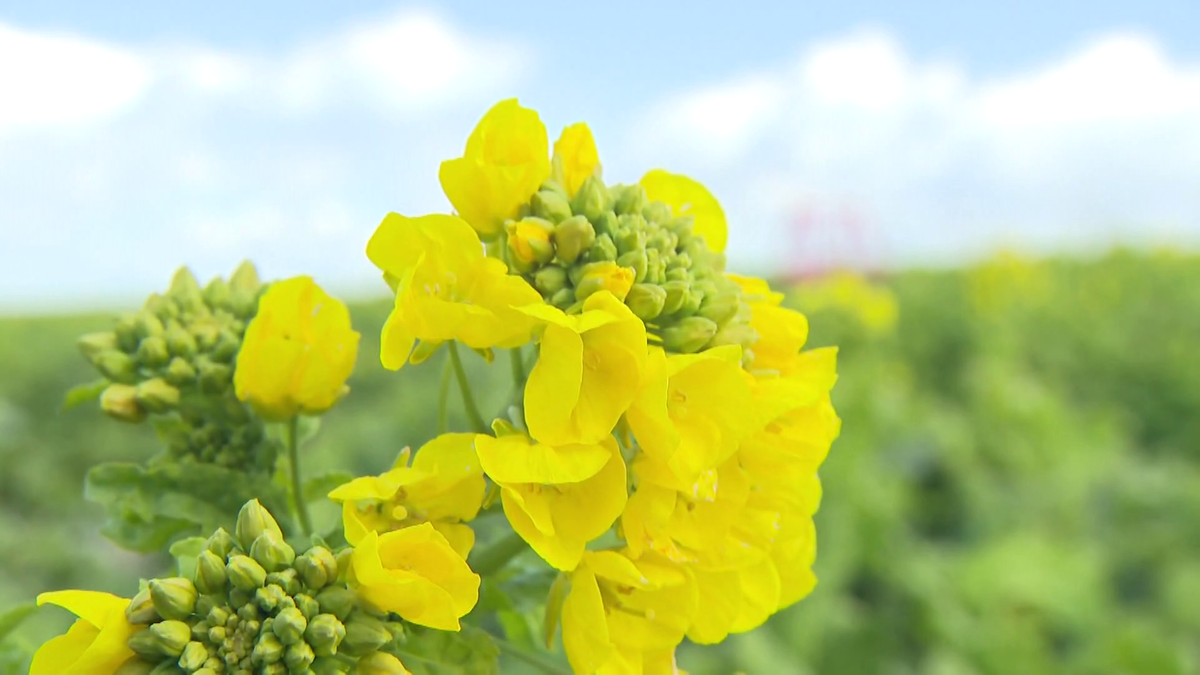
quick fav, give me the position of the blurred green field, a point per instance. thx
(1016, 488)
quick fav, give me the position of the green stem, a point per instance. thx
(464, 386)
(495, 557)
(444, 399)
(293, 448)
(518, 368)
(536, 660)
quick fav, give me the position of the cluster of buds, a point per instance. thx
(616, 239)
(255, 606)
(177, 357)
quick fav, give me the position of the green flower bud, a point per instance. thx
(152, 352)
(93, 344)
(592, 200)
(245, 277)
(550, 279)
(270, 597)
(216, 293)
(120, 402)
(204, 605)
(676, 273)
(116, 366)
(338, 601)
(141, 608)
(603, 250)
(655, 267)
(245, 573)
(248, 612)
(254, 520)
(165, 638)
(156, 395)
(657, 212)
(307, 605)
(217, 616)
(605, 223)
(637, 261)
(735, 333)
(287, 579)
(210, 573)
(147, 325)
(572, 237)
(720, 308)
(221, 543)
(325, 632)
(126, 332)
(215, 378)
(244, 302)
(330, 666)
(290, 625)
(277, 668)
(646, 301)
(343, 560)
(179, 341)
(380, 663)
(299, 657)
(272, 552)
(267, 650)
(317, 567)
(179, 372)
(167, 668)
(194, 656)
(628, 199)
(681, 226)
(563, 298)
(550, 205)
(689, 335)
(364, 634)
(529, 241)
(677, 291)
(692, 301)
(174, 598)
(226, 348)
(629, 240)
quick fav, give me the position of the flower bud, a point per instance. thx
(184, 285)
(364, 634)
(174, 598)
(215, 378)
(116, 366)
(676, 292)
(646, 301)
(529, 240)
(629, 240)
(605, 223)
(120, 401)
(210, 573)
(216, 293)
(272, 552)
(267, 650)
(152, 352)
(245, 573)
(221, 543)
(572, 237)
(165, 638)
(193, 657)
(637, 261)
(307, 605)
(254, 520)
(147, 325)
(325, 632)
(563, 298)
(93, 344)
(287, 579)
(299, 657)
(734, 333)
(550, 205)
(676, 273)
(179, 341)
(628, 199)
(179, 372)
(245, 277)
(605, 276)
(317, 567)
(381, 663)
(270, 597)
(156, 395)
(550, 279)
(141, 608)
(244, 303)
(135, 667)
(290, 625)
(330, 666)
(657, 212)
(338, 601)
(603, 250)
(592, 199)
(226, 348)
(720, 308)
(689, 335)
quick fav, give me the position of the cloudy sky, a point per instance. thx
(164, 133)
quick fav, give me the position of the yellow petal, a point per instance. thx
(58, 655)
(514, 459)
(575, 156)
(585, 630)
(687, 197)
(552, 390)
(92, 606)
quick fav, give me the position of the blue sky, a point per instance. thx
(896, 133)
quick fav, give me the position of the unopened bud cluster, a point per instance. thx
(177, 357)
(616, 239)
(255, 606)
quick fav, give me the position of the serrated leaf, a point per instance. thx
(470, 651)
(185, 552)
(82, 393)
(11, 618)
(318, 488)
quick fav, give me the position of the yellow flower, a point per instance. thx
(686, 197)
(445, 288)
(606, 276)
(529, 240)
(415, 573)
(733, 601)
(575, 157)
(95, 643)
(622, 615)
(444, 486)
(506, 159)
(692, 410)
(298, 351)
(558, 519)
(580, 385)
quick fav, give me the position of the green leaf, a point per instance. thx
(318, 488)
(185, 552)
(11, 618)
(554, 605)
(82, 393)
(470, 651)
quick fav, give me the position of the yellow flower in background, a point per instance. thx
(415, 573)
(297, 353)
(586, 368)
(444, 486)
(445, 288)
(558, 519)
(687, 197)
(873, 306)
(575, 157)
(95, 643)
(622, 614)
(506, 159)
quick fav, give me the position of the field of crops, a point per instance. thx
(1016, 488)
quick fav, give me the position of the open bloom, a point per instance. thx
(445, 288)
(95, 643)
(298, 351)
(444, 486)
(587, 369)
(506, 159)
(687, 197)
(415, 573)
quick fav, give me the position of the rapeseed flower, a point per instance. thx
(575, 158)
(95, 643)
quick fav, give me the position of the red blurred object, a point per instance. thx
(830, 237)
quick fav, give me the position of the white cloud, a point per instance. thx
(894, 159)
(55, 79)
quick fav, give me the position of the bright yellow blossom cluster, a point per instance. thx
(666, 458)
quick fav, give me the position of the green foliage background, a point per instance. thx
(1016, 488)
